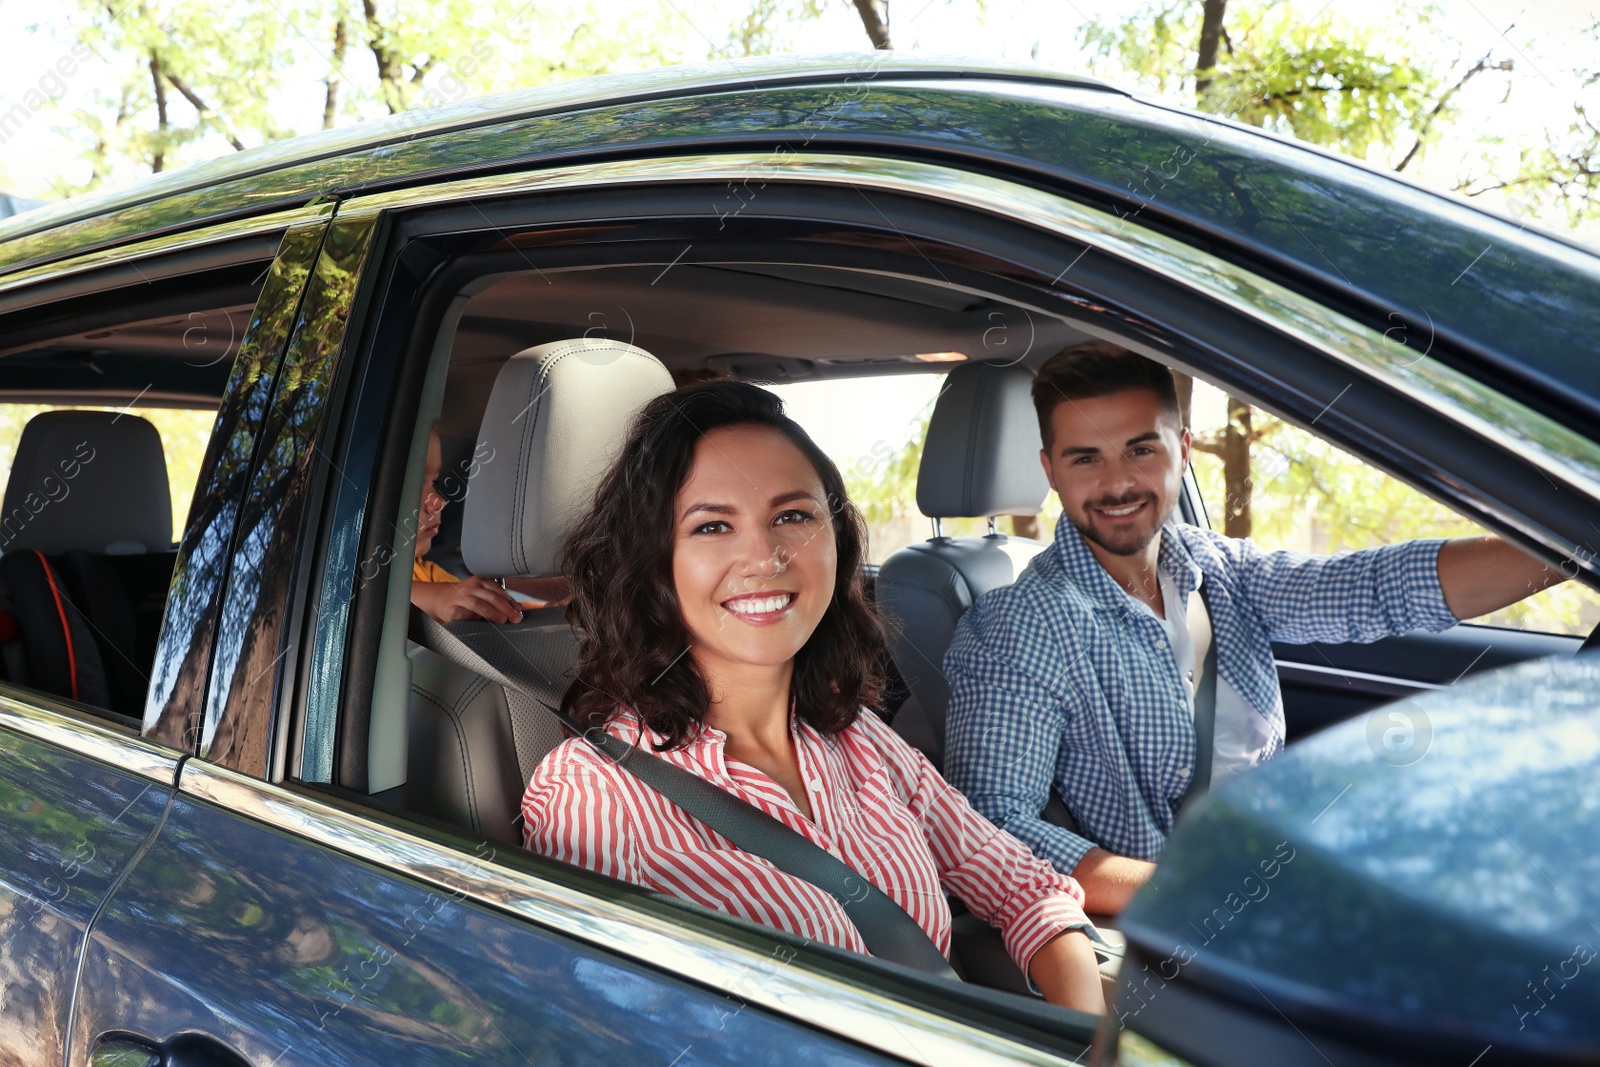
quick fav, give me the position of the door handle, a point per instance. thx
(121, 1048)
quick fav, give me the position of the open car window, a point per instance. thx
(1286, 488)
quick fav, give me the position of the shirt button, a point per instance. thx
(1183, 773)
(815, 783)
(1161, 642)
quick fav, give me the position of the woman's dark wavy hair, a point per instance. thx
(625, 604)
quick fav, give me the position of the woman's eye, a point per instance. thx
(714, 527)
(793, 516)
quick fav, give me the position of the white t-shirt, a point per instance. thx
(1240, 735)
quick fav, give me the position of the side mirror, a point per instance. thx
(1420, 885)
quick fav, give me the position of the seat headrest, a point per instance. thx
(981, 456)
(555, 422)
(90, 480)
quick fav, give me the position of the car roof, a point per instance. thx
(600, 90)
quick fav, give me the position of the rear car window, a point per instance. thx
(184, 433)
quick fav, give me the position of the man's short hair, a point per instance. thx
(1096, 368)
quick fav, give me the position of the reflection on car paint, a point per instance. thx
(70, 827)
(332, 961)
(250, 650)
(178, 676)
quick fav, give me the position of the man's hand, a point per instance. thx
(1067, 973)
(471, 598)
(1109, 881)
(1484, 574)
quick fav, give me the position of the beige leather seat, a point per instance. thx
(555, 421)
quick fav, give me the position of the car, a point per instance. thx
(247, 821)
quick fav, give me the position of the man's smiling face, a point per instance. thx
(1117, 462)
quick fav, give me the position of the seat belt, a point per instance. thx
(888, 931)
(1205, 714)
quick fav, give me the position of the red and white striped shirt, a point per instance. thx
(877, 804)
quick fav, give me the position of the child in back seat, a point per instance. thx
(435, 590)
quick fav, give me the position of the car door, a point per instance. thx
(274, 922)
(78, 800)
(82, 794)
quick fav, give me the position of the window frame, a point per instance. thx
(128, 282)
(1247, 339)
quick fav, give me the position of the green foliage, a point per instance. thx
(886, 490)
(190, 79)
(1320, 80)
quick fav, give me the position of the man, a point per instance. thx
(1082, 676)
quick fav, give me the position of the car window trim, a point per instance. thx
(850, 1010)
(56, 723)
(131, 255)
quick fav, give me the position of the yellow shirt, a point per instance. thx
(425, 570)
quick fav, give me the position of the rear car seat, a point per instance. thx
(555, 421)
(86, 529)
(981, 459)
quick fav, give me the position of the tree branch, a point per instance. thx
(388, 62)
(1210, 35)
(158, 155)
(1444, 98)
(206, 114)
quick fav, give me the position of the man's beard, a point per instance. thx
(1129, 541)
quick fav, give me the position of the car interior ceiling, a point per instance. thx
(766, 322)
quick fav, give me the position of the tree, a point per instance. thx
(875, 22)
(1317, 80)
(191, 80)
(1559, 172)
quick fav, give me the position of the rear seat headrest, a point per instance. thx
(981, 456)
(90, 480)
(556, 420)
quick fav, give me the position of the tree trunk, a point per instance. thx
(158, 154)
(876, 25)
(1210, 40)
(1234, 445)
(1235, 438)
(330, 101)
(388, 61)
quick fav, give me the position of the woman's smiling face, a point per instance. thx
(754, 558)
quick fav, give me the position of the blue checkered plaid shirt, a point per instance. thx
(1060, 680)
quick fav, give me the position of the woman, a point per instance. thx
(717, 586)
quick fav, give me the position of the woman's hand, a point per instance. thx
(470, 598)
(1067, 973)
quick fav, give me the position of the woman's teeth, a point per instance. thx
(759, 605)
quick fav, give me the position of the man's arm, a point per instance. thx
(1484, 574)
(1109, 881)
